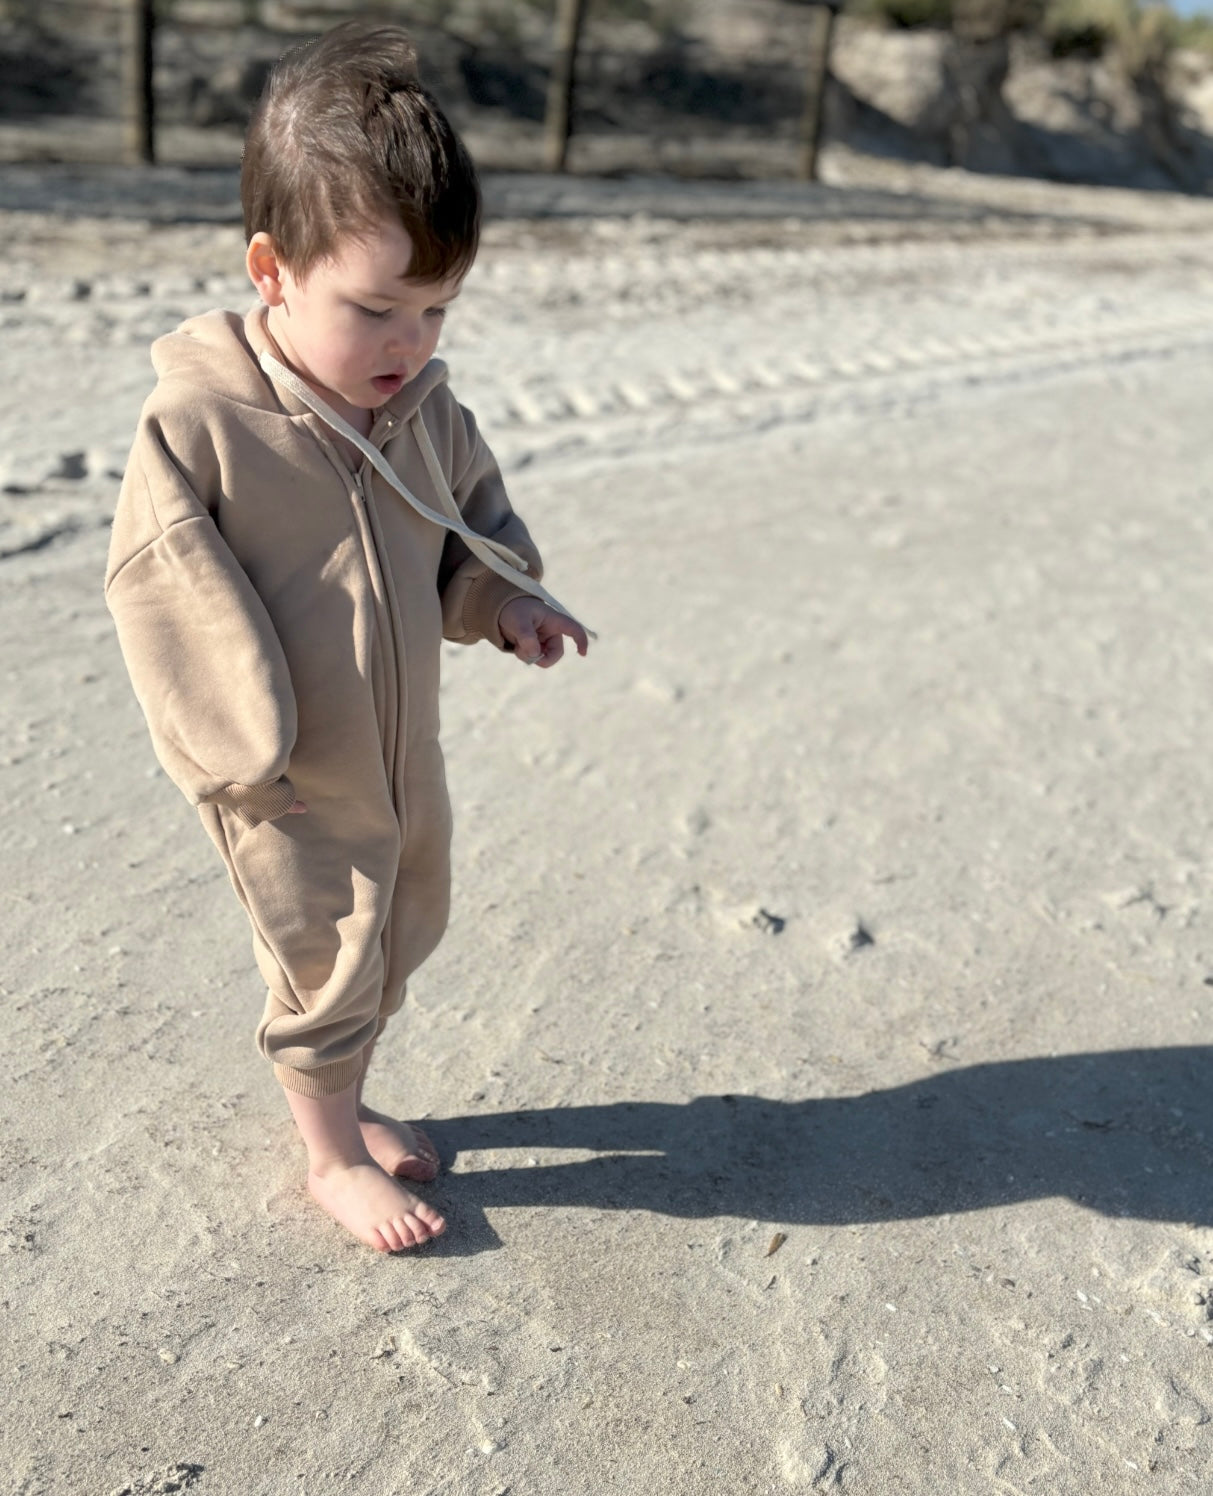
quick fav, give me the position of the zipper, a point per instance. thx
(387, 610)
(395, 655)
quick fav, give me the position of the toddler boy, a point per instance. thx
(306, 514)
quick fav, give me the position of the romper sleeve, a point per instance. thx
(472, 594)
(208, 669)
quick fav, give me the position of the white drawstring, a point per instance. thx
(497, 557)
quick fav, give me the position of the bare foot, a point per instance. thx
(376, 1209)
(397, 1147)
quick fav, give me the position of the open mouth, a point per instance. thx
(388, 384)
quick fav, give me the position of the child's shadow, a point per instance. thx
(1126, 1133)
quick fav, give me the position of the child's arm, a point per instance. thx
(203, 656)
(473, 596)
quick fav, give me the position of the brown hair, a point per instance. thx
(343, 136)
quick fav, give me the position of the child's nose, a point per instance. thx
(407, 337)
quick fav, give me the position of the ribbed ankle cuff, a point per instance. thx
(324, 1080)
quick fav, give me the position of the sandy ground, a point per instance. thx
(820, 1052)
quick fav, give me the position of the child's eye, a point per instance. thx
(436, 311)
(371, 312)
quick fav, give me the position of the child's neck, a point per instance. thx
(360, 418)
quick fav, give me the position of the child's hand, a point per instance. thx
(537, 632)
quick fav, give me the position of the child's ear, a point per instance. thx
(265, 269)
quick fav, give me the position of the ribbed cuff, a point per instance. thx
(324, 1080)
(482, 606)
(255, 803)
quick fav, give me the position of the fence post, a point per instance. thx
(558, 117)
(817, 77)
(138, 94)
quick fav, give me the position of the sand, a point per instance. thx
(820, 1052)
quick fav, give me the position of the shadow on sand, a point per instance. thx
(1126, 1133)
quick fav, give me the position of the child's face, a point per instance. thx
(354, 326)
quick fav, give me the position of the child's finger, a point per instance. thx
(560, 623)
(575, 632)
(553, 648)
(527, 644)
(298, 809)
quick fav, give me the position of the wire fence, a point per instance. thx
(708, 88)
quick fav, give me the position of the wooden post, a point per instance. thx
(558, 118)
(138, 94)
(815, 90)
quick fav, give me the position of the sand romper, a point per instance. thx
(279, 612)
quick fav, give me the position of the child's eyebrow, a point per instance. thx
(369, 295)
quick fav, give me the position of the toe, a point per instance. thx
(432, 1222)
(418, 1167)
(399, 1238)
(421, 1161)
(404, 1229)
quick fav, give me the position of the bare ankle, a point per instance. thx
(327, 1165)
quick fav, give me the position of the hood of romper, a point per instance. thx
(217, 354)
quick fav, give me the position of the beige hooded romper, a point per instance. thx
(281, 613)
